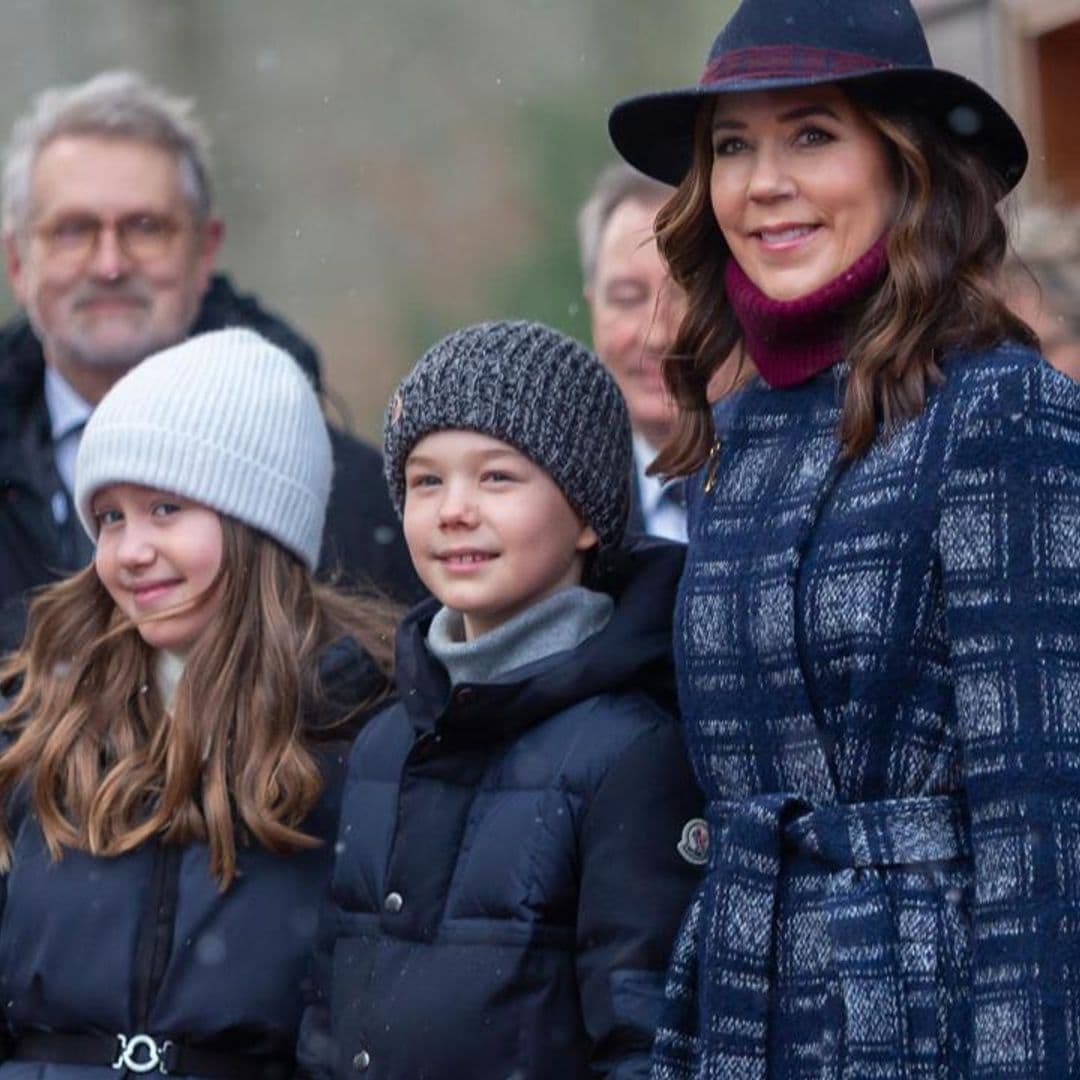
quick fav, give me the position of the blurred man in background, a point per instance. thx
(111, 242)
(635, 310)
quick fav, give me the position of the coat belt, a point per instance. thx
(883, 833)
(751, 842)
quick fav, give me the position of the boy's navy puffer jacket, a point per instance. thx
(147, 943)
(508, 880)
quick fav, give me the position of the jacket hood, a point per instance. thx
(633, 652)
(351, 686)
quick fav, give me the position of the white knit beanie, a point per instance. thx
(225, 419)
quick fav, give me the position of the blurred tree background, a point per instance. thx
(387, 171)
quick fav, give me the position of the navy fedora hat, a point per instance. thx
(877, 45)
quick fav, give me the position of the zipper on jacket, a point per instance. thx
(156, 932)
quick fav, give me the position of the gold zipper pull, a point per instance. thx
(712, 463)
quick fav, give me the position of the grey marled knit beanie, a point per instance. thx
(226, 419)
(534, 388)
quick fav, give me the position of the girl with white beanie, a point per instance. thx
(172, 756)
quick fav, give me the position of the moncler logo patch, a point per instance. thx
(694, 843)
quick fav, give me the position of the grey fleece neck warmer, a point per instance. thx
(558, 623)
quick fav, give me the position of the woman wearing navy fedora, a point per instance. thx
(878, 627)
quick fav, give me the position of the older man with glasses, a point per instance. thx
(110, 242)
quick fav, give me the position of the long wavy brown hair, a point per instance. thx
(941, 290)
(105, 766)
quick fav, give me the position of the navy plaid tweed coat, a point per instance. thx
(879, 672)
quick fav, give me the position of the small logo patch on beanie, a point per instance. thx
(694, 844)
(397, 409)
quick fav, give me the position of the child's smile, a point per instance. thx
(465, 560)
(147, 595)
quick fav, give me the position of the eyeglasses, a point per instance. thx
(143, 238)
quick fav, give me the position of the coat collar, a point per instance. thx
(632, 652)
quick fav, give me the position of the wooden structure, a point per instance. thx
(1027, 53)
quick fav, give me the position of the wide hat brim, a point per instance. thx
(655, 132)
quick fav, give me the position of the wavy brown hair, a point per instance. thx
(105, 766)
(941, 291)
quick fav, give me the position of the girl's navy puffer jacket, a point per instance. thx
(146, 943)
(508, 881)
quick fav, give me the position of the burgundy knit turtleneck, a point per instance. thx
(792, 340)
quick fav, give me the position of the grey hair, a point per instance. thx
(617, 183)
(113, 105)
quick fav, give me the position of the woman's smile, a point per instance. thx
(784, 237)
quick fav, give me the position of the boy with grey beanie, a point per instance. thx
(519, 834)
